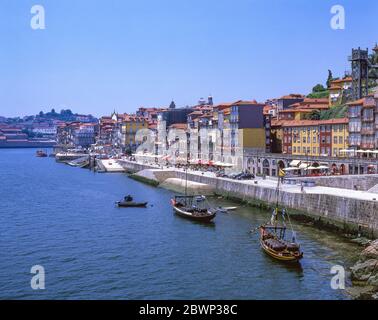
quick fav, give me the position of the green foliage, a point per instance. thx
(319, 95)
(335, 112)
(314, 115)
(318, 88)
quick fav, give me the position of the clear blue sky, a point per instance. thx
(95, 56)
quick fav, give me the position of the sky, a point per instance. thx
(96, 56)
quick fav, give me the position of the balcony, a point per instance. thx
(369, 118)
(354, 114)
(367, 131)
(369, 145)
(355, 130)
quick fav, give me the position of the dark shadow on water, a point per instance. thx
(289, 266)
(210, 225)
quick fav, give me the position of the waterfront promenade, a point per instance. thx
(350, 210)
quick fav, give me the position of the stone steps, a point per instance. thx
(374, 189)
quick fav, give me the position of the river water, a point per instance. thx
(64, 219)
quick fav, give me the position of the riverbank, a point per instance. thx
(349, 212)
(363, 273)
(91, 249)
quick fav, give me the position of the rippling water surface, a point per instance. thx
(64, 219)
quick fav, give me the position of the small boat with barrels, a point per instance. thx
(128, 202)
(41, 154)
(273, 242)
(193, 208)
(273, 235)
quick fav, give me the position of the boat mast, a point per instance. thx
(186, 181)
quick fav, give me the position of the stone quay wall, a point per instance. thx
(348, 214)
(352, 182)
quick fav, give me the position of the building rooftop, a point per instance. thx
(305, 123)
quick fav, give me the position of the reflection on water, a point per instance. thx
(65, 219)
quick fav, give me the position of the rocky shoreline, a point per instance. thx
(364, 273)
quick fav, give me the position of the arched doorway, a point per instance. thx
(250, 165)
(334, 168)
(342, 169)
(266, 167)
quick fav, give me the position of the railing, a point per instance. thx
(367, 131)
(369, 145)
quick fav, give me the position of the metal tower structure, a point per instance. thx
(361, 68)
(360, 72)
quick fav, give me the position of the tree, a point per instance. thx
(41, 113)
(329, 79)
(318, 88)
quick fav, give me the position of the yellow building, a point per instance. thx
(340, 137)
(130, 124)
(253, 138)
(316, 138)
(305, 137)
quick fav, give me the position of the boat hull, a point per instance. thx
(132, 205)
(199, 218)
(282, 252)
(280, 256)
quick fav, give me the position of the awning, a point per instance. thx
(304, 165)
(295, 163)
(223, 164)
(322, 167)
(290, 169)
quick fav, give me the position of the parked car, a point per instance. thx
(246, 176)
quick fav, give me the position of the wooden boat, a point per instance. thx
(272, 236)
(273, 243)
(41, 154)
(186, 207)
(192, 207)
(131, 204)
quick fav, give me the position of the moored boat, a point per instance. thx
(272, 241)
(273, 236)
(131, 204)
(128, 202)
(41, 154)
(187, 207)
